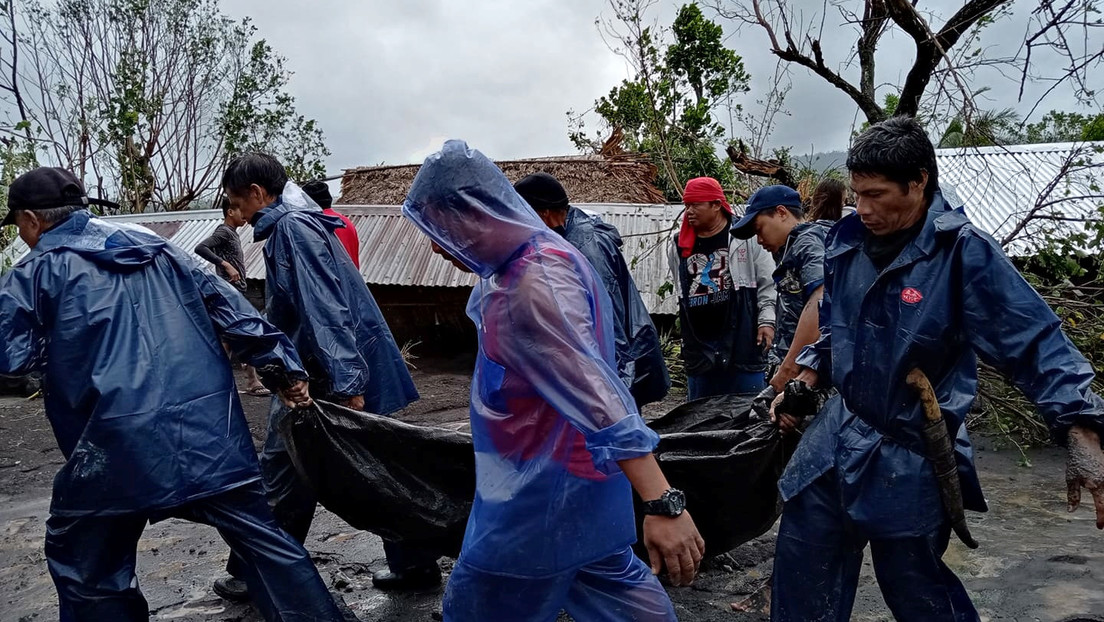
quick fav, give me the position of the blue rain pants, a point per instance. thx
(293, 503)
(619, 588)
(92, 560)
(819, 554)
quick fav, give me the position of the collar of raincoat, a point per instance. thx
(587, 226)
(292, 199)
(113, 245)
(464, 203)
(849, 233)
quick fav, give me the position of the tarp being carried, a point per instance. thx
(415, 484)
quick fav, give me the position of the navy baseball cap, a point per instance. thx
(46, 188)
(764, 200)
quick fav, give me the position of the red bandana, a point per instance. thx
(698, 190)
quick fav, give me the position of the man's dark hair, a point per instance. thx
(255, 168)
(223, 203)
(827, 203)
(897, 148)
(319, 192)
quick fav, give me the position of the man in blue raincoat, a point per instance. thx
(911, 284)
(315, 295)
(639, 355)
(142, 401)
(558, 440)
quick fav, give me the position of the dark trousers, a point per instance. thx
(92, 560)
(819, 554)
(724, 382)
(293, 503)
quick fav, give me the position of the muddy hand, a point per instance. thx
(297, 395)
(786, 423)
(676, 543)
(355, 403)
(1085, 468)
(761, 405)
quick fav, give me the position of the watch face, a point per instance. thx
(676, 501)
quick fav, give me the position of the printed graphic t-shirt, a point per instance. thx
(708, 289)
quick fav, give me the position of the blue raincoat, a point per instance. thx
(639, 356)
(951, 293)
(137, 388)
(316, 295)
(550, 417)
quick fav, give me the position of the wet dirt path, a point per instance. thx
(1036, 562)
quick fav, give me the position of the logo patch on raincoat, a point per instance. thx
(911, 295)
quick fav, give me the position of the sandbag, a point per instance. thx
(415, 484)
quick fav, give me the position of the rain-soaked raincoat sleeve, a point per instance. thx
(552, 341)
(20, 326)
(247, 334)
(1013, 329)
(327, 323)
(818, 355)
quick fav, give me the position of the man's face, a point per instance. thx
(884, 205)
(552, 218)
(249, 202)
(30, 227)
(773, 227)
(443, 253)
(234, 215)
(703, 215)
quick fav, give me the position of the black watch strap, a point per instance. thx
(671, 503)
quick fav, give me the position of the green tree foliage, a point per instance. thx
(982, 129)
(1057, 126)
(147, 99)
(682, 75)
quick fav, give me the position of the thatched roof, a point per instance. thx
(621, 178)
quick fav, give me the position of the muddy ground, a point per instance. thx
(1036, 562)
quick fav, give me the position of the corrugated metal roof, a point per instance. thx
(999, 186)
(394, 252)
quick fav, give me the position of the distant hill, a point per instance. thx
(823, 161)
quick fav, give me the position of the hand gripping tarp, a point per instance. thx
(415, 484)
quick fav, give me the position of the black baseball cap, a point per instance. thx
(46, 188)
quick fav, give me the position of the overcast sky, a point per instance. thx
(390, 80)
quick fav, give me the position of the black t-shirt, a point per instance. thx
(883, 249)
(707, 285)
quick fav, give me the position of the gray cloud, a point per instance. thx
(390, 81)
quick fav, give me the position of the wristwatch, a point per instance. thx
(671, 503)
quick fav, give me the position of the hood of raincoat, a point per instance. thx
(118, 247)
(293, 199)
(459, 195)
